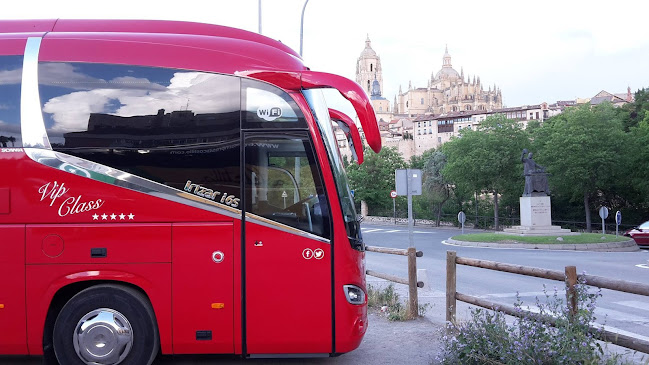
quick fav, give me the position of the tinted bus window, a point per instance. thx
(176, 127)
(283, 182)
(266, 106)
(11, 69)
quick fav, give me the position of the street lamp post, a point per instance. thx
(302, 25)
(259, 16)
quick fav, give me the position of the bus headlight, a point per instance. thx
(354, 294)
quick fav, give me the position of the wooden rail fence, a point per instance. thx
(413, 284)
(569, 276)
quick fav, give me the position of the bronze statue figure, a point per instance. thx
(536, 179)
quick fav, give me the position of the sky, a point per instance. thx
(533, 51)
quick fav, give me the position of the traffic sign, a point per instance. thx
(603, 212)
(393, 194)
(618, 217)
(461, 217)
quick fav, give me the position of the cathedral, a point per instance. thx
(448, 91)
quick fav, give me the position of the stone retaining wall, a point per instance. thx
(404, 221)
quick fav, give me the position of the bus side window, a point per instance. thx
(11, 67)
(283, 182)
(176, 127)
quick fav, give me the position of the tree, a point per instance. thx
(487, 160)
(582, 149)
(374, 179)
(639, 155)
(436, 188)
(634, 113)
(419, 161)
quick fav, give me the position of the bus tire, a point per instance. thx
(106, 324)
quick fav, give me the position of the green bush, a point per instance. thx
(488, 339)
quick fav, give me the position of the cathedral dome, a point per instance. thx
(447, 71)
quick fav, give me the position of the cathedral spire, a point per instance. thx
(368, 43)
(447, 58)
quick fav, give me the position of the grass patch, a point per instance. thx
(508, 238)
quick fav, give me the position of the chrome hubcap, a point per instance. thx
(103, 336)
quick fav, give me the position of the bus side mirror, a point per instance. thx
(351, 132)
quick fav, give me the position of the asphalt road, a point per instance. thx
(625, 313)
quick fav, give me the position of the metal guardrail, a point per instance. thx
(413, 284)
(569, 276)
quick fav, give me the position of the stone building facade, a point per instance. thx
(448, 91)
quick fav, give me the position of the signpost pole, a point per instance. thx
(411, 238)
(603, 213)
(462, 218)
(393, 195)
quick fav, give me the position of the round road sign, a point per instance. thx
(603, 212)
(393, 194)
(461, 217)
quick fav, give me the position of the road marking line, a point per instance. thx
(620, 316)
(539, 294)
(623, 332)
(643, 266)
(373, 230)
(634, 304)
(392, 231)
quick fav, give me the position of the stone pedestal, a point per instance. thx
(536, 219)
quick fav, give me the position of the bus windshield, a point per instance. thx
(316, 100)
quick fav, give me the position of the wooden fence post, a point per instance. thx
(571, 291)
(412, 283)
(450, 286)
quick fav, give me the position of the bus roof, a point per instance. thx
(137, 26)
(261, 58)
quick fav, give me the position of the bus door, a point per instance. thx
(288, 303)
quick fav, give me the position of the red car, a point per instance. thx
(640, 234)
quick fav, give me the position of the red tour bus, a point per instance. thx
(173, 188)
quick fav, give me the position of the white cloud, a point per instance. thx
(201, 93)
(10, 77)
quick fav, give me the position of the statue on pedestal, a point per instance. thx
(536, 179)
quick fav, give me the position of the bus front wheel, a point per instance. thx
(108, 325)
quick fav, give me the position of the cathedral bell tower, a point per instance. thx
(368, 69)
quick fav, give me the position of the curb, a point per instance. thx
(624, 246)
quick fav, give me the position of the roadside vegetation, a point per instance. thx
(387, 301)
(507, 238)
(596, 156)
(490, 338)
